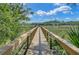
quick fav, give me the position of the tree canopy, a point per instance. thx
(10, 16)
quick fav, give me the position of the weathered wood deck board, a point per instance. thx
(39, 45)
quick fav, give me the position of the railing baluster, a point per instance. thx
(70, 48)
(19, 41)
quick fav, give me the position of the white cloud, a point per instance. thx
(50, 12)
(24, 4)
(59, 4)
(77, 19)
(30, 16)
(67, 18)
(63, 9)
(40, 12)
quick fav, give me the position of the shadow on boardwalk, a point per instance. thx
(40, 50)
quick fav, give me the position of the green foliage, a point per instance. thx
(57, 49)
(74, 35)
(59, 30)
(10, 17)
(68, 32)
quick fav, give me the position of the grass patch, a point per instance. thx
(74, 35)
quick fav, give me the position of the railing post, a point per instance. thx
(70, 48)
(47, 36)
(27, 42)
(50, 41)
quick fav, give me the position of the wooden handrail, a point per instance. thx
(7, 50)
(70, 48)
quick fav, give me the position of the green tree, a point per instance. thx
(10, 17)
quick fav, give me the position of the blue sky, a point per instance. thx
(51, 11)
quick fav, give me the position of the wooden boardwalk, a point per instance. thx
(39, 45)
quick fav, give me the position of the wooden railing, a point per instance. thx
(18, 42)
(69, 48)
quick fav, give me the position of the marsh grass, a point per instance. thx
(73, 34)
(55, 47)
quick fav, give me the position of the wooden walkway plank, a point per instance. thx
(39, 45)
